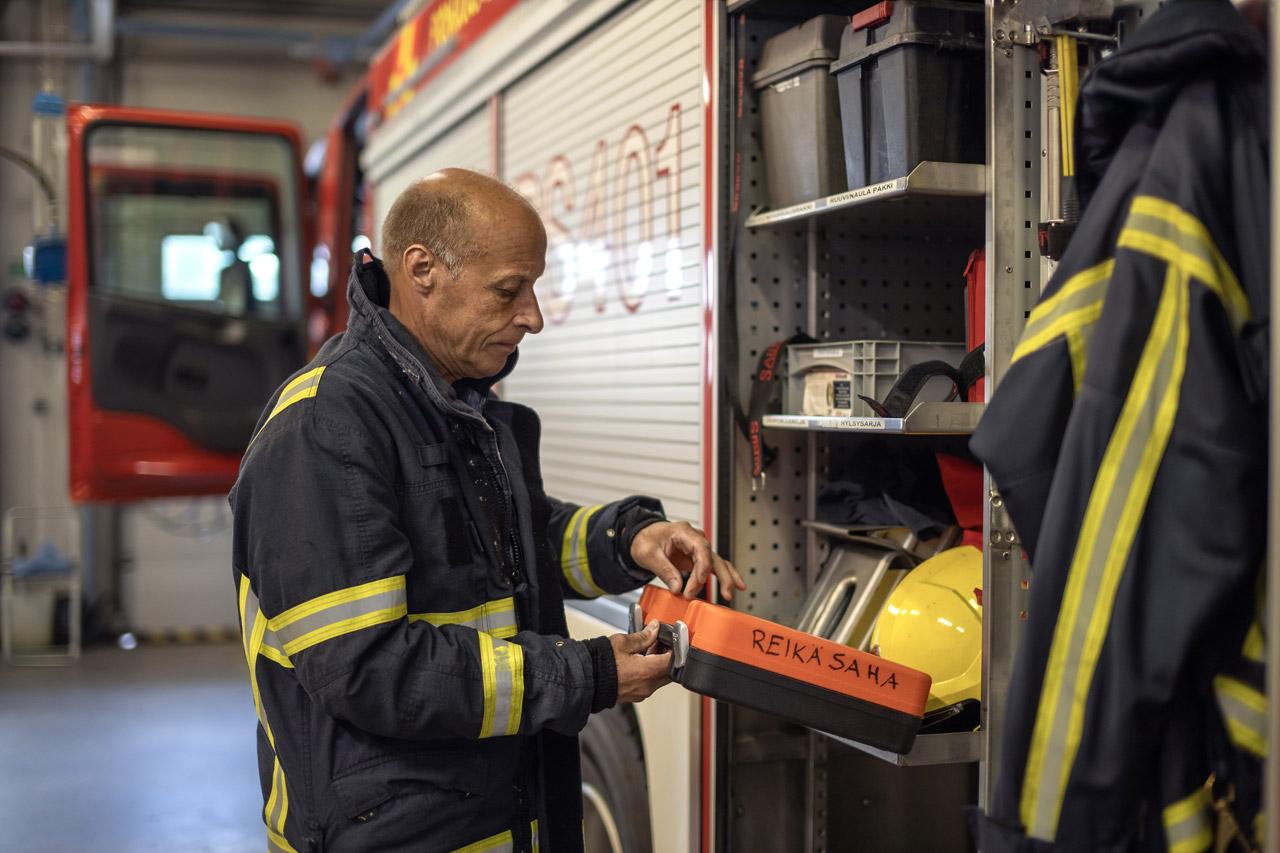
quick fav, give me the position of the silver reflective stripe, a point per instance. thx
(276, 803)
(502, 678)
(497, 618)
(277, 843)
(1187, 826)
(331, 621)
(1118, 497)
(1245, 712)
(575, 562)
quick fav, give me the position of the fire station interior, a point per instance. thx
(881, 194)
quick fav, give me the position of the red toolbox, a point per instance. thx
(750, 661)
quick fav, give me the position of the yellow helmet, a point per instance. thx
(932, 621)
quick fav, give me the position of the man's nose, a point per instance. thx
(529, 317)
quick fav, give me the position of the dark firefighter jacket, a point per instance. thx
(401, 577)
(1129, 441)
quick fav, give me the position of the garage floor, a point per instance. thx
(130, 752)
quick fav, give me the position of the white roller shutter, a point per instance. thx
(606, 139)
(468, 145)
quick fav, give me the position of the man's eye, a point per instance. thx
(508, 294)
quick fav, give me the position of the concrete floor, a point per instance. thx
(130, 752)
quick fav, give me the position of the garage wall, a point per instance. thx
(176, 554)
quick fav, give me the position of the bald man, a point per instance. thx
(401, 573)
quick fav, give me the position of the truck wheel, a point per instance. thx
(615, 797)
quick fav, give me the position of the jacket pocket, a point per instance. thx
(453, 775)
(432, 473)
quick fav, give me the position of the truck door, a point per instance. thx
(185, 295)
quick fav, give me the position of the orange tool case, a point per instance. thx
(750, 661)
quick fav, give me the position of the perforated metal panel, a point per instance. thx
(467, 145)
(606, 140)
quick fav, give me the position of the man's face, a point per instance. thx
(472, 322)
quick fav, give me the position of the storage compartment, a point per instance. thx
(910, 83)
(827, 379)
(799, 112)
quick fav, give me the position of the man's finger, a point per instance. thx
(666, 571)
(728, 577)
(700, 550)
(641, 640)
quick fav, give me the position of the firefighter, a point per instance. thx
(401, 572)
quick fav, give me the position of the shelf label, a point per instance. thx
(862, 192)
(861, 423)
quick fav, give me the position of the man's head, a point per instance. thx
(463, 251)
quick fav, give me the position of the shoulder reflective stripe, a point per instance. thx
(1116, 503)
(1187, 823)
(496, 618)
(1077, 304)
(277, 843)
(502, 675)
(503, 842)
(1245, 711)
(574, 560)
(301, 388)
(1177, 236)
(341, 612)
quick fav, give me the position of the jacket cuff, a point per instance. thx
(632, 520)
(605, 694)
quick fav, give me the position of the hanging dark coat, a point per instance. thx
(1129, 441)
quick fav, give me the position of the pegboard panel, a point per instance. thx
(772, 287)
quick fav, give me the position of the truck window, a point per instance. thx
(204, 219)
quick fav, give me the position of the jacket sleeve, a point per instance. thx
(593, 544)
(324, 593)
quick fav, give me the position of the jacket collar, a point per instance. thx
(371, 320)
(1186, 41)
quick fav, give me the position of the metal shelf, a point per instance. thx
(949, 748)
(897, 198)
(924, 419)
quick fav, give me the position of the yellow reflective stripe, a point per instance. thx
(1184, 239)
(341, 612)
(301, 388)
(272, 650)
(277, 843)
(253, 626)
(1076, 348)
(500, 843)
(1254, 644)
(574, 559)
(1245, 711)
(1187, 823)
(1077, 305)
(495, 618)
(1111, 520)
(502, 683)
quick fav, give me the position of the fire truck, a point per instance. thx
(637, 129)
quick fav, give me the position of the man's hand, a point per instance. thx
(673, 550)
(639, 673)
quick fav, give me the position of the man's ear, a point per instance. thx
(420, 266)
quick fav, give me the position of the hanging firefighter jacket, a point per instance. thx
(401, 578)
(1129, 441)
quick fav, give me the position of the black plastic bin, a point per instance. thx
(910, 78)
(799, 112)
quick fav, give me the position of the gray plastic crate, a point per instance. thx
(871, 368)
